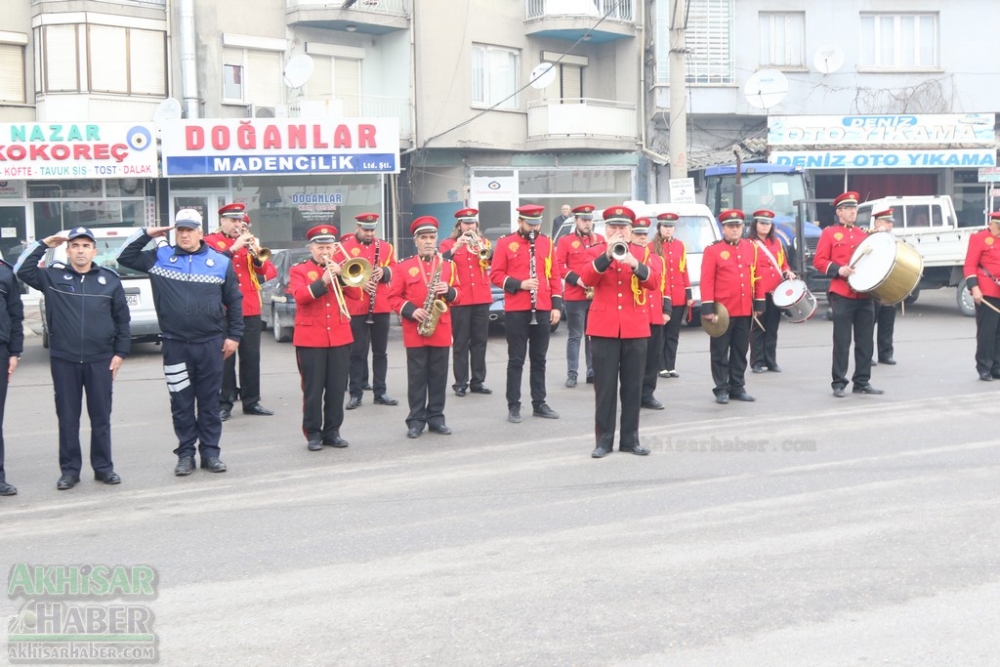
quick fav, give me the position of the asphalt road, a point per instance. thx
(799, 530)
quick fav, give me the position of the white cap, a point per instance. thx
(188, 217)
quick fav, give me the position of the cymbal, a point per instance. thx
(719, 327)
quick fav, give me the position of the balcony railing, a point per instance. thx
(389, 7)
(356, 106)
(130, 3)
(555, 119)
(618, 10)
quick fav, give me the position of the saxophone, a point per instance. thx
(433, 305)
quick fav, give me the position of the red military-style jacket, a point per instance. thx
(770, 275)
(677, 282)
(656, 302)
(836, 246)
(249, 280)
(318, 320)
(572, 254)
(408, 292)
(361, 300)
(511, 265)
(982, 256)
(473, 274)
(620, 308)
(729, 275)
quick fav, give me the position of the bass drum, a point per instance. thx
(886, 268)
(795, 299)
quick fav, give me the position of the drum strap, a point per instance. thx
(989, 275)
(770, 256)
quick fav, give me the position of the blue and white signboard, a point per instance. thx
(885, 159)
(280, 146)
(929, 130)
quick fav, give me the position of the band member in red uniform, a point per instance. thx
(235, 240)
(657, 308)
(772, 265)
(370, 310)
(885, 314)
(982, 276)
(676, 288)
(322, 339)
(426, 348)
(470, 316)
(531, 304)
(851, 310)
(572, 254)
(730, 276)
(619, 331)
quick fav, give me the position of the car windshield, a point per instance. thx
(696, 231)
(292, 257)
(107, 255)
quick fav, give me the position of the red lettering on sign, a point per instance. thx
(341, 137)
(194, 137)
(272, 137)
(366, 136)
(297, 136)
(81, 152)
(60, 152)
(318, 137)
(101, 152)
(220, 137)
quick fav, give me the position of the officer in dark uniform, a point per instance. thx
(87, 318)
(11, 346)
(200, 310)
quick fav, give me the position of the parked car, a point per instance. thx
(277, 305)
(138, 292)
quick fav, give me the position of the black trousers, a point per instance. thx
(728, 353)
(323, 374)
(194, 380)
(885, 318)
(652, 361)
(520, 335)
(249, 383)
(426, 381)
(671, 336)
(470, 329)
(764, 342)
(857, 315)
(376, 337)
(69, 380)
(618, 366)
(5, 362)
(988, 337)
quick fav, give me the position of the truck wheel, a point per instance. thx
(964, 299)
(912, 298)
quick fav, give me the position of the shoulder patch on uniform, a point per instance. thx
(58, 265)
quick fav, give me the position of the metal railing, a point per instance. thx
(393, 7)
(355, 106)
(617, 10)
(584, 117)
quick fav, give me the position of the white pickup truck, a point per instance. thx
(929, 224)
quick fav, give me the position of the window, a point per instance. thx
(570, 83)
(12, 73)
(708, 37)
(782, 39)
(899, 41)
(252, 76)
(339, 79)
(494, 76)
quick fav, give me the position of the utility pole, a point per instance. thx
(678, 89)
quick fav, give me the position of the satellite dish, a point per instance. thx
(829, 59)
(765, 88)
(168, 109)
(298, 69)
(542, 76)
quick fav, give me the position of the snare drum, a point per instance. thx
(795, 299)
(885, 267)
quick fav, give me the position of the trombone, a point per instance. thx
(355, 271)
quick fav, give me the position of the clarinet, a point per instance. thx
(371, 298)
(533, 275)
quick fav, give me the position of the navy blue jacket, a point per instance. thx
(86, 314)
(12, 312)
(196, 294)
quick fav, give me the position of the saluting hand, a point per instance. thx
(55, 240)
(116, 363)
(156, 232)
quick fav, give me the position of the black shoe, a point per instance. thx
(839, 392)
(599, 453)
(335, 441)
(384, 399)
(514, 415)
(743, 396)
(571, 381)
(986, 377)
(460, 392)
(355, 402)
(638, 450)
(314, 445)
(757, 369)
(996, 376)
(590, 379)
(7, 490)
(774, 369)
(258, 409)
(545, 412)
(722, 399)
(213, 464)
(442, 429)
(109, 477)
(366, 387)
(888, 361)
(67, 482)
(652, 404)
(225, 414)
(185, 466)
(414, 432)
(866, 389)
(480, 389)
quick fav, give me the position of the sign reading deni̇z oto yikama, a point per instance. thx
(275, 146)
(30, 151)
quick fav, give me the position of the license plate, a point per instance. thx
(132, 299)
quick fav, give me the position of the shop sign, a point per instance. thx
(32, 151)
(876, 159)
(971, 129)
(989, 174)
(274, 146)
(11, 189)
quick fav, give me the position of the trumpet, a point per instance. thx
(619, 250)
(254, 249)
(480, 245)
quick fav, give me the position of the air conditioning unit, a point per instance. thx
(277, 111)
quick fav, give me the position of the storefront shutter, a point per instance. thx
(320, 85)
(108, 59)
(571, 81)
(12, 73)
(147, 64)
(347, 85)
(61, 59)
(264, 84)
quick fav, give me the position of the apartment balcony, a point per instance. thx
(584, 124)
(66, 107)
(573, 19)
(358, 106)
(375, 17)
